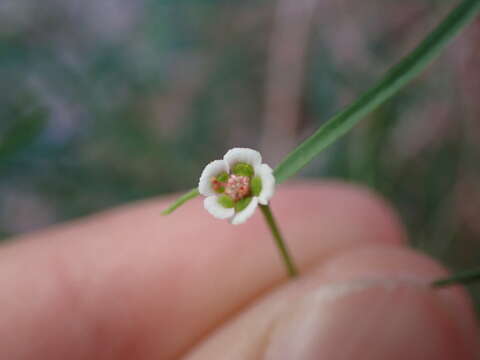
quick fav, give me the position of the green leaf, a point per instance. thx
(466, 277)
(181, 200)
(396, 78)
(24, 131)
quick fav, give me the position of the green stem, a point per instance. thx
(181, 200)
(282, 247)
(466, 277)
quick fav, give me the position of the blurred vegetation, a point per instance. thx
(115, 101)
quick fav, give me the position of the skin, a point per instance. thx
(131, 284)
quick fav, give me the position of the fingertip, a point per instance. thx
(374, 321)
(394, 265)
(368, 304)
(196, 271)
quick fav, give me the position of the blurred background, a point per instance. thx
(105, 102)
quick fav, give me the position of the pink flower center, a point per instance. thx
(237, 187)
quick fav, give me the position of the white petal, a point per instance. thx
(213, 169)
(243, 155)
(212, 205)
(245, 214)
(265, 173)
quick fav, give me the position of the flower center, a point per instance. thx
(237, 187)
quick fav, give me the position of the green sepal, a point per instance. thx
(226, 201)
(243, 169)
(256, 185)
(242, 204)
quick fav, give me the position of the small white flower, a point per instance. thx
(236, 185)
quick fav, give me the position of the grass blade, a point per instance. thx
(396, 78)
(180, 201)
(466, 277)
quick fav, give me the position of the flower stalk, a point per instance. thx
(282, 247)
(180, 201)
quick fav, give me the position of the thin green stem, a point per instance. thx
(282, 247)
(466, 277)
(180, 201)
